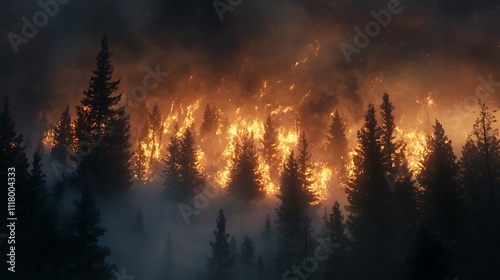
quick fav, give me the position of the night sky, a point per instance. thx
(436, 47)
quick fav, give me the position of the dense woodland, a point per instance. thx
(442, 223)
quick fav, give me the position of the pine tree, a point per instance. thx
(172, 171)
(220, 263)
(248, 258)
(337, 144)
(388, 143)
(88, 258)
(36, 192)
(120, 156)
(305, 172)
(139, 161)
(480, 170)
(139, 222)
(191, 177)
(247, 251)
(293, 224)
(103, 130)
(270, 145)
(336, 233)
(245, 180)
(368, 197)
(268, 231)
(400, 180)
(233, 247)
(443, 196)
(209, 125)
(63, 137)
(13, 159)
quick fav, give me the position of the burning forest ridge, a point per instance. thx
(282, 109)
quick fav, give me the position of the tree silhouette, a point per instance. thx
(389, 145)
(337, 143)
(368, 196)
(209, 124)
(63, 137)
(480, 170)
(305, 172)
(13, 159)
(245, 181)
(88, 258)
(270, 144)
(220, 263)
(102, 130)
(293, 224)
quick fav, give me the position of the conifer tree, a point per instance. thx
(172, 171)
(293, 224)
(220, 263)
(36, 192)
(336, 233)
(248, 258)
(245, 180)
(102, 130)
(247, 251)
(209, 125)
(119, 153)
(268, 231)
(443, 196)
(233, 247)
(270, 144)
(63, 137)
(191, 177)
(139, 222)
(305, 172)
(480, 170)
(388, 143)
(13, 159)
(337, 143)
(368, 197)
(88, 257)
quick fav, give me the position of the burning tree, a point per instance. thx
(337, 143)
(183, 178)
(245, 178)
(147, 154)
(102, 130)
(305, 172)
(270, 145)
(63, 137)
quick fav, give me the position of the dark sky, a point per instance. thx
(431, 46)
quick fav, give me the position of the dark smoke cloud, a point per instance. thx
(427, 45)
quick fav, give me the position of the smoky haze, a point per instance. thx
(264, 52)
